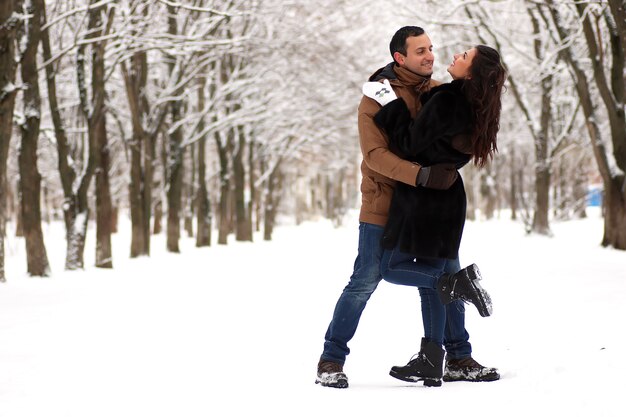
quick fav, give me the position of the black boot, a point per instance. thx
(464, 285)
(427, 366)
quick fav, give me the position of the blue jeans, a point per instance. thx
(363, 283)
(442, 324)
(455, 336)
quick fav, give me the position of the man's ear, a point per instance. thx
(399, 58)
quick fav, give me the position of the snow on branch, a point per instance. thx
(77, 10)
(200, 9)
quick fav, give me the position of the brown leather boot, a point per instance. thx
(330, 374)
(467, 369)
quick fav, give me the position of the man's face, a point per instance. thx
(419, 57)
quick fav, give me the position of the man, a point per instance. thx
(409, 76)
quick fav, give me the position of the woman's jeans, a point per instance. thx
(363, 282)
(401, 268)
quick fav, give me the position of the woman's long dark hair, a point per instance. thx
(483, 90)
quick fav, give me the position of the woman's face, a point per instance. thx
(460, 67)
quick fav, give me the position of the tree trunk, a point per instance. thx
(97, 129)
(135, 197)
(104, 206)
(272, 191)
(134, 81)
(115, 214)
(75, 201)
(8, 26)
(189, 194)
(541, 137)
(252, 204)
(19, 224)
(159, 208)
(158, 217)
(613, 94)
(339, 202)
(149, 152)
(223, 218)
(135, 74)
(30, 179)
(242, 230)
(613, 97)
(615, 214)
(513, 182)
(175, 181)
(488, 193)
(580, 191)
(541, 224)
(329, 200)
(203, 208)
(559, 192)
(175, 152)
(48, 206)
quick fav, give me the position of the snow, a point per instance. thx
(237, 330)
(32, 111)
(8, 88)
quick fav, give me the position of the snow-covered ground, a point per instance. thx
(237, 330)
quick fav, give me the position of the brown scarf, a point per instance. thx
(419, 83)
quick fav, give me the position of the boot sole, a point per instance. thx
(428, 382)
(489, 378)
(336, 382)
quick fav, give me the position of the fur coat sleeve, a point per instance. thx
(428, 138)
(425, 222)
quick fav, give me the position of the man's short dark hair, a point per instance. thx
(398, 42)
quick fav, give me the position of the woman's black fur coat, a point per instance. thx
(422, 221)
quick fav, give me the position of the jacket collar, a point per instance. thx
(403, 76)
(410, 79)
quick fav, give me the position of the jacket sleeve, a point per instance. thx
(441, 117)
(375, 147)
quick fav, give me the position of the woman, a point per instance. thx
(458, 122)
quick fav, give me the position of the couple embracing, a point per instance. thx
(415, 134)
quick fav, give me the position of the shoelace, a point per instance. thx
(462, 297)
(419, 357)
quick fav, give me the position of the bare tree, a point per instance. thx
(75, 172)
(100, 19)
(30, 179)
(538, 125)
(203, 204)
(147, 120)
(175, 149)
(9, 20)
(612, 95)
